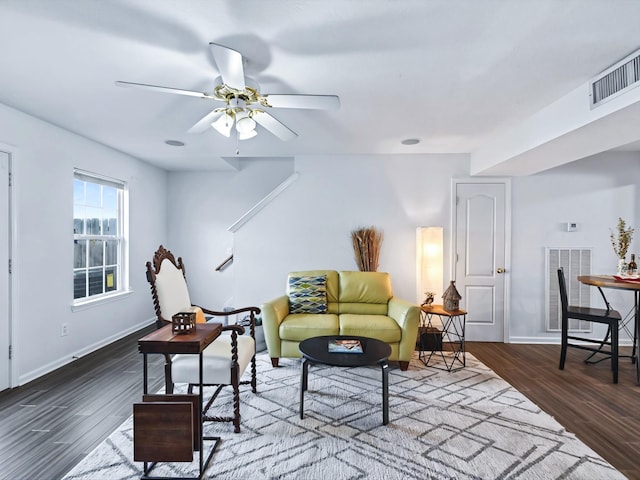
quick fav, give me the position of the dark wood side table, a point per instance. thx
(164, 341)
(450, 338)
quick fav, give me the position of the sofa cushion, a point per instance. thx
(300, 326)
(380, 327)
(364, 292)
(333, 285)
(308, 294)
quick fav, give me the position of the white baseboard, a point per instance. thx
(50, 367)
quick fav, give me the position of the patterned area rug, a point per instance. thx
(468, 424)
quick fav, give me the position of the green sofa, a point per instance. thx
(357, 303)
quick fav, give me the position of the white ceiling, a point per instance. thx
(452, 73)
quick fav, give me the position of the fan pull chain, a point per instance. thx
(237, 143)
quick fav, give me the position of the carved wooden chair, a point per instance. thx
(225, 360)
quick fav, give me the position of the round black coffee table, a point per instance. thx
(374, 352)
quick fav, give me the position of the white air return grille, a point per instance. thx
(574, 261)
(616, 80)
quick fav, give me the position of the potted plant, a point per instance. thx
(620, 241)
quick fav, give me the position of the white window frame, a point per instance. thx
(122, 234)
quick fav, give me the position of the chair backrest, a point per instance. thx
(168, 284)
(563, 291)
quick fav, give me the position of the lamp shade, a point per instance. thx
(223, 124)
(429, 261)
(246, 136)
(244, 123)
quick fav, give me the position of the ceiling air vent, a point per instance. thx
(616, 80)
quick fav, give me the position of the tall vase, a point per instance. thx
(622, 267)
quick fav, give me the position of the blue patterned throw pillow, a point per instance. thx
(308, 294)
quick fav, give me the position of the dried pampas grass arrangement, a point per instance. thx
(366, 247)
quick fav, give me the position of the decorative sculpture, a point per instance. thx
(451, 297)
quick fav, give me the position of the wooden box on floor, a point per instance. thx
(166, 428)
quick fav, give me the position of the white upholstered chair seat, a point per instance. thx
(216, 359)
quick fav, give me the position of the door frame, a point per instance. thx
(507, 240)
(12, 246)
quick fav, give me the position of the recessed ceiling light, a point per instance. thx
(174, 143)
(410, 141)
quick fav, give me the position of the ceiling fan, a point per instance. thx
(242, 103)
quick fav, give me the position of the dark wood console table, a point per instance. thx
(164, 341)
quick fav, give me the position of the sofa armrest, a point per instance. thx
(273, 313)
(408, 317)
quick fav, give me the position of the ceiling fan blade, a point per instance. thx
(274, 126)
(229, 63)
(322, 102)
(157, 88)
(205, 122)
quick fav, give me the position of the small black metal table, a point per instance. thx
(449, 346)
(375, 352)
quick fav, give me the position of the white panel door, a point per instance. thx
(5, 364)
(480, 259)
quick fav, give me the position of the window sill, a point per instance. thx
(84, 305)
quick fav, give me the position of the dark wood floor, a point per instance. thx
(50, 424)
(581, 397)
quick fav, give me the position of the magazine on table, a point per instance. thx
(345, 345)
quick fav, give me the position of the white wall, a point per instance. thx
(308, 226)
(593, 192)
(44, 158)
(202, 206)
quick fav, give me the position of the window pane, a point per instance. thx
(95, 281)
(111, 252)
(79, 254)
(94, 194)
(78, 191)
(110, 210)
(110, 226)
(110, 279)
(96, 253)
(93, 220)
(110, 200)
(79, 284)
(78, 225)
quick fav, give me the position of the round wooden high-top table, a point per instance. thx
(607, 281)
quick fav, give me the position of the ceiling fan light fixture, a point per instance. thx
(223, 124)
(244, 122)
(247, 135)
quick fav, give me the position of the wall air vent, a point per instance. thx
(574, 261)
(616, 80)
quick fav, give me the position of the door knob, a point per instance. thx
(500, 270)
